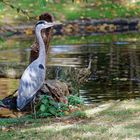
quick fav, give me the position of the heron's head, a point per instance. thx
(42, 24)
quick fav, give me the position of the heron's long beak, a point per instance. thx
(56, 23)
(50, 24)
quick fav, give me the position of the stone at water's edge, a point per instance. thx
(56, 89)
(80, 27)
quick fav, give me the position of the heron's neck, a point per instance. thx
(42, 52)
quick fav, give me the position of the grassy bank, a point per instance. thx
(67, 10)
(112, 120)
(11, 43)
(102, 38)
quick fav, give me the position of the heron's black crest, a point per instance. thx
(41, 66)
(40, 22)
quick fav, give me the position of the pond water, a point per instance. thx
(115, 68)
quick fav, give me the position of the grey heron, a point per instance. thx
(34, 75)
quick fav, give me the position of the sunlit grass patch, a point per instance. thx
(125, 112)
(108, 120)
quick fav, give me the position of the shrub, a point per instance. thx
(74, 100)
(48, 107)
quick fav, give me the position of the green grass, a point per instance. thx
(107, 38)
(69, 40)
(112, 120)
(67, 10)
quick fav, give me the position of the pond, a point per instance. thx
(115, 68)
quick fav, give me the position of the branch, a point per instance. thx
(18, 9)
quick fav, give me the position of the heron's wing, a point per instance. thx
(31, 81)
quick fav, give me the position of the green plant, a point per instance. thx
(48, 107)
(74, 100)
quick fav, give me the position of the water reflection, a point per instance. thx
(117, 75)
(115, 71)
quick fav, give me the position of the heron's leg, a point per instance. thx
(34, 109)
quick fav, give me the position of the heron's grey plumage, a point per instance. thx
(34, 75)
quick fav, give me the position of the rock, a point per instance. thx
(58, 90)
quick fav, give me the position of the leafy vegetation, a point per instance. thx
(74, 100)
(48, 107)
